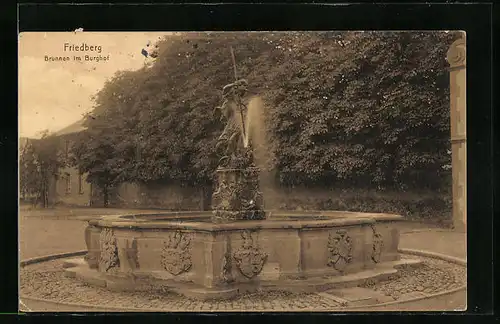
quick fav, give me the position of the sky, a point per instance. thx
(55, 94)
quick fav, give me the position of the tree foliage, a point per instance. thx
(345, 108)
(39, 163)
(376, 113)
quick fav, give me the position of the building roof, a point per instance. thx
(23, 141)
(73, 128)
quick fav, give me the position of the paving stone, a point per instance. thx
(411, 295)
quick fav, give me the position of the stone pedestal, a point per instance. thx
(456, 57)
(237, 196)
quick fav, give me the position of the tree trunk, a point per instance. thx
(46, 200)
(43, 194)
(105, 194)
(91, 199)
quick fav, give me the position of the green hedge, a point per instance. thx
(413, 206)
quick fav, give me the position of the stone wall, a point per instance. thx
(171, 197)
(430, 206)
(69, 189)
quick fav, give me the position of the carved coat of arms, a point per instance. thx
(340, 247)
(109, 251)
(176, 256)
(250, 259)
(378, 244)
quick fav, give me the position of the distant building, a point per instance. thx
(23, 141)
(70, 186)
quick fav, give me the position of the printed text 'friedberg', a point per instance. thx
(92, 50)
(83, 47)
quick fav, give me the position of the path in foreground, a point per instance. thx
(45, 282)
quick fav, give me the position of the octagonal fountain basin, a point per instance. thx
(295, 251)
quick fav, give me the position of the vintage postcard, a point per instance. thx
(242, 171)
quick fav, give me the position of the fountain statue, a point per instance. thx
(237, 195)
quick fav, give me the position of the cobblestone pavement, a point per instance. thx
(433, 277)
(46, 281)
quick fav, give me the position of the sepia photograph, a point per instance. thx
(276, 171)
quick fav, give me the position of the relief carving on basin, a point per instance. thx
(340, 248)
(378, 245)
(108, 259)
(250, 259)
(176, 254)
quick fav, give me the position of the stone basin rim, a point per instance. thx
(278, 219)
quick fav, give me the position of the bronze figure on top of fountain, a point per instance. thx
(231, 143)
(237, 195)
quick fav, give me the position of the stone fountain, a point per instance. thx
(239, 246)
